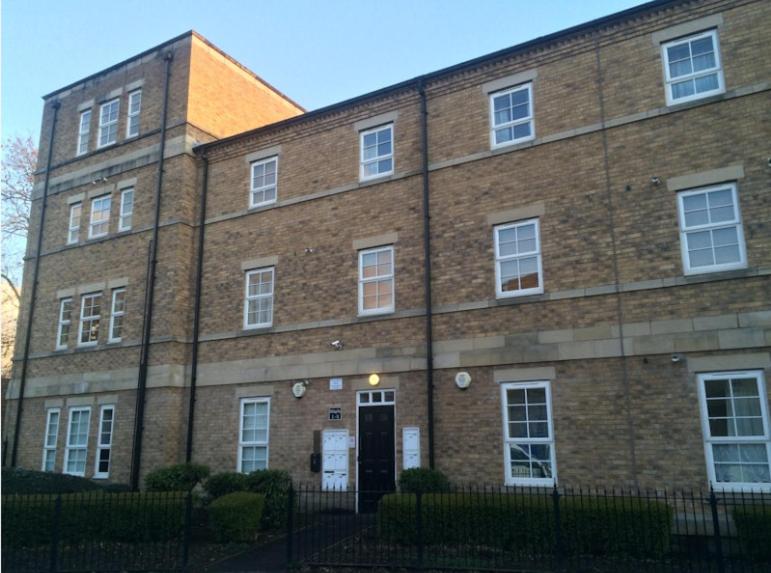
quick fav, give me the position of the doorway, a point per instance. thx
(376, 456)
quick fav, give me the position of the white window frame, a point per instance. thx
(529, 119)
(84, 132)
(737, 222)
(69, 447)
(668, 80)
(709, 441)
(508, 478)
(107, 125)
(242, 444)
(499, 292)
(377, 158)
(73, 227)
(133, 115)
(247, 298)
(262, 188)
(49, 450)
(89, 318)
(100, 445)
(116, 313)
(61, 323)
(93, 222)
(362, 281)
(126, 216)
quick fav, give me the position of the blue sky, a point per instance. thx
(317, 52)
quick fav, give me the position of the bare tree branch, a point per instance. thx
(16, 293)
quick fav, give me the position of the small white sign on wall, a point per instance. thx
(335, 383)
(411, 447)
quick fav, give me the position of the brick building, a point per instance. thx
(548, 263)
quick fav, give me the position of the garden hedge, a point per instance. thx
(236, 516)
(19, 481)
(753, 525)
(126, 517)
(423, 480)
(274, 485)
(179, 477)
(224, 483)
(525, 523)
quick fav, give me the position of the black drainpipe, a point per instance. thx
(427, 269)
(28, 335)
(136, 452)
(197, 311)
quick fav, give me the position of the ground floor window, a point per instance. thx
(253, 434)
(528, 435)
(737, 443)
(104, 442)
(51, 437)
(77, 441)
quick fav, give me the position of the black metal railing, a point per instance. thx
(536, 529)
(96, 531)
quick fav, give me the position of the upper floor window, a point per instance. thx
(377, 152)
(711, 235)
(518, 259)
(73, 229)
(77, 441)
(735, 423)
(90, 314)
(134, 106)
(511, 113)
(50, 439)
(528, 436)
(117, 312)
(100, 217)
(84, 131)
(104, 442)
(126, 209)
(258, 301)
(376, 280)
(108, 122)
(263, 188)
(64, 323)
(692, 67)
(253, 434)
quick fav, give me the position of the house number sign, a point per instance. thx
(335, 414)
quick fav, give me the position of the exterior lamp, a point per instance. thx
(374, 379)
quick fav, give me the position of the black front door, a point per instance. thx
(376, 454)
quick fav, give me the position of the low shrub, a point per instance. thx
(126, 517)
(423, 480)
(224, 483)
(236, 516)
(525, 523)
(753, 526)
(179, 477)
(19, 481)
(274, 485)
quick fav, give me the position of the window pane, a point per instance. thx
(706, 83)
(743, 387)
(682, 89)
(701, 258)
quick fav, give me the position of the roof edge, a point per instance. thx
(497, 55)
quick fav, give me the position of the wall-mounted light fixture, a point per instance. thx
(374, 379)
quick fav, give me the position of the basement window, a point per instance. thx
(511, 116)
(711, 234)
(377, 152)
(735, 423)
(253, 434)
(108, 122)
